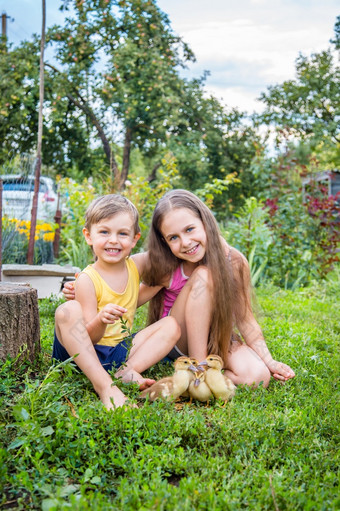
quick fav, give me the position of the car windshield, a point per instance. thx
(22, 185)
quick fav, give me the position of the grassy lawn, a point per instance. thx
(272, 449)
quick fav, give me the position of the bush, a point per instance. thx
(77, 197)
(292, 239)
(281, 237)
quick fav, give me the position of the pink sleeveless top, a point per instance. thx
(177, 281)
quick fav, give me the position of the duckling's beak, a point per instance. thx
(203, 363)
(197, 382)
(193, 368)
(202, 367)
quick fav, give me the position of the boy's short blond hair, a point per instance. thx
(107, 206)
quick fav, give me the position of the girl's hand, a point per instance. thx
(111, 313)
(68, 290)
(280, 371)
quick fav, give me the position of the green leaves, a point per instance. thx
(307, 107)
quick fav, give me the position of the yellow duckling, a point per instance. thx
(220, 385)
(174, 386)
(195, 363)
(198, 389)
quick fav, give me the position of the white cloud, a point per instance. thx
(247, 45)
(250, 44)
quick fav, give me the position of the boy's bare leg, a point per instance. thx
(150, 345)
(73, 336)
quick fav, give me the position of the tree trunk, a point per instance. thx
(152, 176)
(19, 321)
(126, 158)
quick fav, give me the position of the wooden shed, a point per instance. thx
(329, 178)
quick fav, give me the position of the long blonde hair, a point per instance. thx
(162, 263)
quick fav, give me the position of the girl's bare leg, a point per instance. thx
(72, 334)
(192, 310)
(246, 367)
(150, 345)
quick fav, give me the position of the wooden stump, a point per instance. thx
(19, 321)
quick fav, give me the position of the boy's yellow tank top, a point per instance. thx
(128, 299)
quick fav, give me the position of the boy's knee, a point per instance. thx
(67, 311)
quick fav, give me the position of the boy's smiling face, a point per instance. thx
(113, 238)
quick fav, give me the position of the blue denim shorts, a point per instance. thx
(110, 357)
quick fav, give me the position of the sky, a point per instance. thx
(246, 45)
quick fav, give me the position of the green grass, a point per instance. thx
(274, 449)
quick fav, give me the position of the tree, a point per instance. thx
(117, 63)
(336, 41)
(211, 142)
(308, 107)
(65, 136)
(115, 85)
(19, 96)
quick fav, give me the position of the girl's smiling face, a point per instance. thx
(185, 235)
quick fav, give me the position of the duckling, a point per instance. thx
(220, 385)
(195, 363)
(198, 389)
(172, 387)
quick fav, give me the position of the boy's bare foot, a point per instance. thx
(129, 375)
(111, 397)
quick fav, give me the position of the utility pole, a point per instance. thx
(4, 27)
(4, 19)
(30, 251)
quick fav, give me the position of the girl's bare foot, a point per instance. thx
(129, 375)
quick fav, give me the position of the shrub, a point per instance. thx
(77, 197)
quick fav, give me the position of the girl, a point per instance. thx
(205, 285)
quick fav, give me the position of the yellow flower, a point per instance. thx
(46, 227)
(25, 223)
(49, 236)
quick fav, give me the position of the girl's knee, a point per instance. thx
(202, 272)
(172, 327)
(201, 279)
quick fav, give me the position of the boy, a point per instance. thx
(107, 291)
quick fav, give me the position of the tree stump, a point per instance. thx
(19, 321)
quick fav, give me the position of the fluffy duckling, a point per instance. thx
(172, 387)
(195, 363)
(221, 386)
(198, 389)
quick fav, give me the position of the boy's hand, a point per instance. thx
(69, 291)
(280, 371)
(111, 313)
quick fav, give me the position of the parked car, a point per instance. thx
(17, 197)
